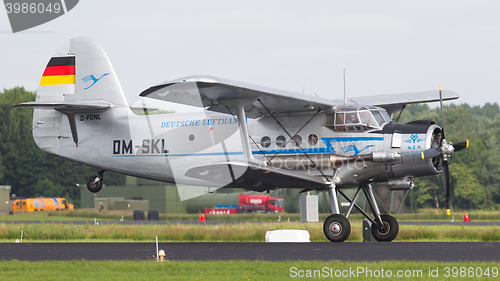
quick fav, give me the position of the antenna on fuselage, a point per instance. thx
(345, 95)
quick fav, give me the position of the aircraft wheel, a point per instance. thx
(337, 228)
(94, 187)
(390, 230)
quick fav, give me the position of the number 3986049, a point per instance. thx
(33, 8)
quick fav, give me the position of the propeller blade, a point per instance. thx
(430, 153)
(461, 145)
(445, 173)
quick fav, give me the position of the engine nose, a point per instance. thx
(434, 137)
(433, 142)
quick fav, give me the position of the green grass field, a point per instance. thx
(90, 214)
(245, 270)
(421, 215)
(245, 232)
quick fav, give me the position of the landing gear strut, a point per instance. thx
(337, 227)
(94, 184)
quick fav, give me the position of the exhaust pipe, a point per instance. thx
(401, 184)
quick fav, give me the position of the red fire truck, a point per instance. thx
(250, 203)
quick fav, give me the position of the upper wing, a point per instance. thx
(395, 102)
(209, 91)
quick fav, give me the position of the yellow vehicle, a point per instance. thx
(41, 204)
(65, 204)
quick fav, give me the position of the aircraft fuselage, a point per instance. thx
(163, 147)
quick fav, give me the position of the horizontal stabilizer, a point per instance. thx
(255, 177)
(75, 106)
(70, 109)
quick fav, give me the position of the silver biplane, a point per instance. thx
(239, 135)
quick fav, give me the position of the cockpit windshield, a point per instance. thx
(358, 118)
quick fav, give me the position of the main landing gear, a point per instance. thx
(94, 184)
(337, 227)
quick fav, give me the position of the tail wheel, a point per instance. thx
(389, 231)
(93, 186)
(337, 228)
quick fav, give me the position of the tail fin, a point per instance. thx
(78, 78)
(80, 71)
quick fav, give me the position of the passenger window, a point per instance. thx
(312, 139)
(265, 142)
(297, 140)
(281, 141)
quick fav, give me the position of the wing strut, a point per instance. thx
(401, 111)
(290, 136)
(239, 105)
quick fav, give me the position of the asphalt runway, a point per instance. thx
(104, 222)
(109, 222)
(372, 251)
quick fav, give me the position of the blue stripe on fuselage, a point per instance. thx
(327, 141)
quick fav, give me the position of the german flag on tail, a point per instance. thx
(59, 71)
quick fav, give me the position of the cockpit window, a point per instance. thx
(358, 118)
(378, 116)
(367, 119)
(386, 115)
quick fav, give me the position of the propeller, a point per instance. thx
(444, 150)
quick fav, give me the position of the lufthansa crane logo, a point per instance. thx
(93, 79)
